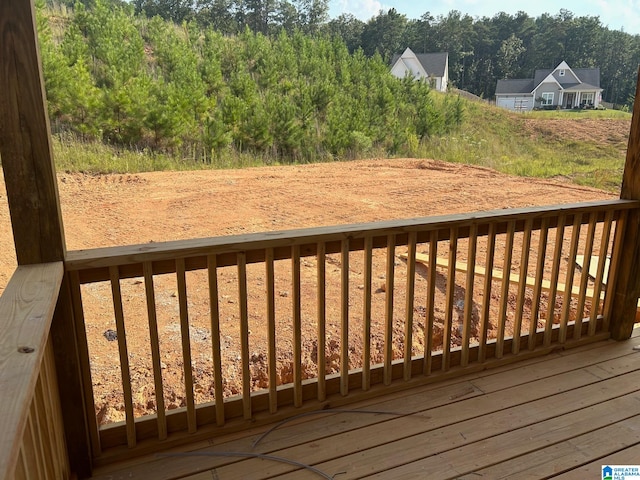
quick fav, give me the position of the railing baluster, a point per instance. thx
(344, 319)
(602, 259)
(486, 300)
(411, 283)
(430, 303)
(366, 317)
(30, 446)
(458, 321)
(244, 334)
(468, 294)
(388, 316)
(186, 345)
(537, 288)
(54, 420)
(216, 347)
(84, 361)
(504, 292)
(616, 258)
(566, 302)
(555, 273)
(124, 356)
(322, 320)
(41, 399)
(271, 326)
(297, 326)
(584, 278)
(522, 286)
(147, 269)
(38, 430)
(450, 299)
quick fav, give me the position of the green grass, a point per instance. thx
(497, 139)
(489, 136)
(97, 158)
(576, 114)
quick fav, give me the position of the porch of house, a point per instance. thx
(562, 415)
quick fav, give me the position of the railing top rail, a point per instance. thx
(26, 311)
(100, 258)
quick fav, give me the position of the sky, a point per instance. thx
(614, 14)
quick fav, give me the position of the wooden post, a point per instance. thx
(32, 194)
(627, 286)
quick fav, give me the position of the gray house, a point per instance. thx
(432, 66)
(561, 87)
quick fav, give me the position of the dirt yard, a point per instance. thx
(109, 210)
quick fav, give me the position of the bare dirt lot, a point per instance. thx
(109, 210)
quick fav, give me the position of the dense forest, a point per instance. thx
(280, 79)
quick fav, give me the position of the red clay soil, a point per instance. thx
(110, 210)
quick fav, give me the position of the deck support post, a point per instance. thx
(627, 283)
(32, 193)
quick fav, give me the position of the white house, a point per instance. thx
(431, 66)
(561, 87)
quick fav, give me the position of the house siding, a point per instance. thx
(423, 67)
(573, 89)
(547, 88)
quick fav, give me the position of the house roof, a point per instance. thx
(520, 85)
(589, 78)
(433, 63)
(580, 86)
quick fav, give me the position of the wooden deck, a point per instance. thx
(562, 415)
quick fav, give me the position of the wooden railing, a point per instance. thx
(383, 301)
(32, 442)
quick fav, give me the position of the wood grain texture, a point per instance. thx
(366, 320)
(155, 350)
(125, 371)
(26, 311)
(388, 308)
(627, 282)
(455, 416)
(344, 318)
(163, 254)
(296, 308)
(430, 304)
(524, 265)
(216, 347)
(584, 279)
(486, 301)
(27, 159)
(271, 326)
(468, 296)
(537, 289)
(555, 272)
(566, 302)
(408, 321)
(504, 292)
(322, 321)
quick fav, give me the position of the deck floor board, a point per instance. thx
(561, 414)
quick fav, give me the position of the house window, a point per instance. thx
(587, 98)
(547, 98)
(561, 72)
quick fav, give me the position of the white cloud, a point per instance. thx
(361, 9)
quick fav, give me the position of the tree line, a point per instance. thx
(211, 76)
(126, 79)
(481, 50)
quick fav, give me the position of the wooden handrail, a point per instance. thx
(511, 239)
(26, 310)
(163, 254)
